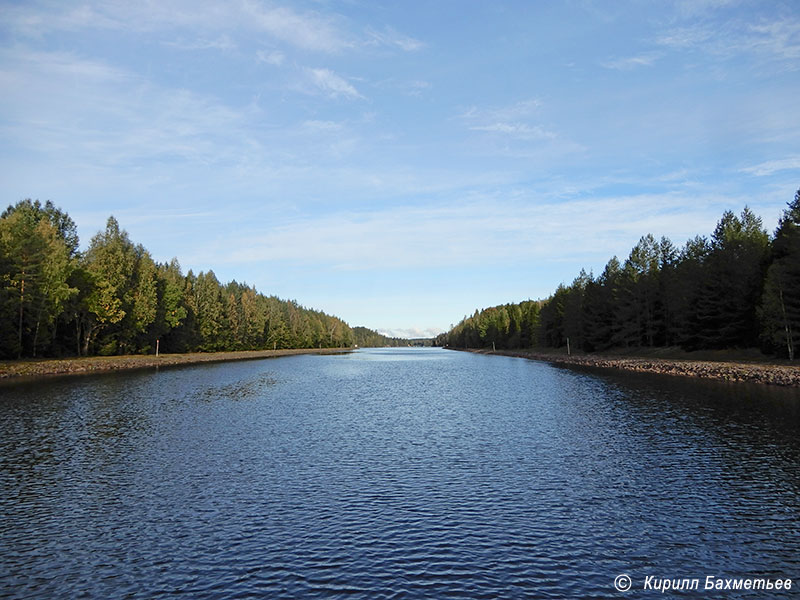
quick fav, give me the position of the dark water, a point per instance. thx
(393, 474)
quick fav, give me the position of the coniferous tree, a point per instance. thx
(602, 296)
(171, 308)
(110, 263)
(726, 310)
(780, 311)
(209, 312)
(574, 311)
(37, 258)
(252, 319)
(668, 293)
(116, 299)
(690, 276)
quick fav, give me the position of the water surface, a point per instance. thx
(392, 473)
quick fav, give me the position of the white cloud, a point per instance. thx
(305, 30)
(415, 87)
(27, 20)
(777, 40)
(483, 232)
(630, 63)
(271, 57)
(97, 115)
(331, 84)
(773, 166)
(410, 333)
(693, 8)
(223, 43)
(780, 38)
(309, 31)
(512, 112)
(517, 130)
(512, 122)
(327, 126)
(130, 217)
(390, 37)
(685, 37)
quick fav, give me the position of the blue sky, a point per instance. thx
(400, 164)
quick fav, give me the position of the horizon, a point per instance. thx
(401, 166)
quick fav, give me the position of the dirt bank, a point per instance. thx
(97, 364)
(768, 373)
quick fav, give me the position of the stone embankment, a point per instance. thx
(768, 373)
(98, 364)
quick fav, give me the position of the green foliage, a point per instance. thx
(367, 338)
(506, 326)
(734, 291)
(115, 299)
(725, 310)
(36, 262)
(780, 310)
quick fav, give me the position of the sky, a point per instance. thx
(400, 164)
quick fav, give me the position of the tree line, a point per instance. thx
(740, 288)
(115, 299)
(368, 338)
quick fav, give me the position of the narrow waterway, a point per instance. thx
(393, 473)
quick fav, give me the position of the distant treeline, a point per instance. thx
(740, 289)
(115, 299)
(367, 338)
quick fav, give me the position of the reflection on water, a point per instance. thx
(413, 473)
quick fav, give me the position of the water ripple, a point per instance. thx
(390, 474)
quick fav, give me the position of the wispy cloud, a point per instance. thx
(415, 87)
(773, 166)
(310, 31)
(131, 217)
(685, 37)
(516, 131)
(693, 8)
(509, 232)
(314, 125)
(520, 131)
(410, 333)
(392, 38)
(780, 38)
(512, 112)
(32, 21)
(305, 30)
(271, 57)
(331, 84)
(512, 121)
(107, 115)
(223, 43)
(776, 40)
(630, 63)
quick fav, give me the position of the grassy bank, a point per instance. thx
(730, 366)
(98, 364)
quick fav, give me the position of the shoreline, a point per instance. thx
(86, 365)
(763, 373)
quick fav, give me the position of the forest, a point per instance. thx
(115, 299)
(738, 289)
(367, 338)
